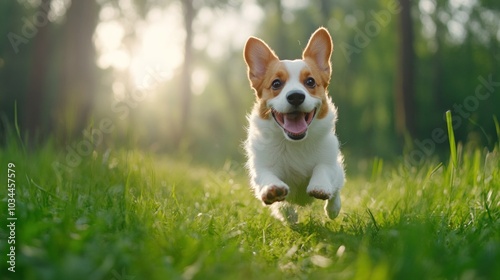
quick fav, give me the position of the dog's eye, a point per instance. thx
(276, 84)
(310, 82)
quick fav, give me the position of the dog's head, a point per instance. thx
(293, 93)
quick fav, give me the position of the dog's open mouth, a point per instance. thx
(294, 124)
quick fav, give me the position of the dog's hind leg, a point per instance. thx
(285, 212)
(332, 206)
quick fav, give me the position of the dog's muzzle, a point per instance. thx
(295, 123)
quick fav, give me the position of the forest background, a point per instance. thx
(168, 77)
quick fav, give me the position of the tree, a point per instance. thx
(77, 78)
(404, 100)
(36, 93)
(185, 86)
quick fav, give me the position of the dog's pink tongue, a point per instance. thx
(295, 123)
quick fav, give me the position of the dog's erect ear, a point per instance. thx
(319, 49)
(258, 56)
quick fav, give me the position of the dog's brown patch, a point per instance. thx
(319, 194)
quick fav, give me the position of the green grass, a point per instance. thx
(126, 215)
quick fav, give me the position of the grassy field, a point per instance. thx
(126, 215)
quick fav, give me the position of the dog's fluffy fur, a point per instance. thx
(293, 152)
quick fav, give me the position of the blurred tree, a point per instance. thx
(190, 10)
(458, 50)
(404, 93)
(185, 87)
(448, 47)
(78, 71)
(13, 61)
(60, 66)
(280, 37)
(437, 80)
(36, 94)
(276, 32)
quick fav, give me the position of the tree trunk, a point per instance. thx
(325, 11)
(404, 93)
(437, 65)
(281, 42)
(36, 94)
(78, 69)
(185, 86)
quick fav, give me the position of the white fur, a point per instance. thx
(302, 167)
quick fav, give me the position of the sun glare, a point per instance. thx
(109, 36)
(158, 44)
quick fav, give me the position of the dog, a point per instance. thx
(293, 154)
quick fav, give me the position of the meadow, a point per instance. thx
(124, 214)
(122, 121)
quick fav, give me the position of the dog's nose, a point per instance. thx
(295, 98)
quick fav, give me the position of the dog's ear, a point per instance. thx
(319, 49)
(258, 57)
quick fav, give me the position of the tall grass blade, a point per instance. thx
(377, 228)
(451, 139)
(377, 167)
(16, 125)
(485, 134)
(432, 171)
(497, 127)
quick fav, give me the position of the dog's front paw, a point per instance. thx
(319, 193)
(273, 193)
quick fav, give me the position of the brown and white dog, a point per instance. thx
(293, 152)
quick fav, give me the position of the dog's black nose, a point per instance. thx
(295, 98)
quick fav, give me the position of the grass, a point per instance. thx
(126, 215)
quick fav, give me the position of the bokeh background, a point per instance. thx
(168, 76)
